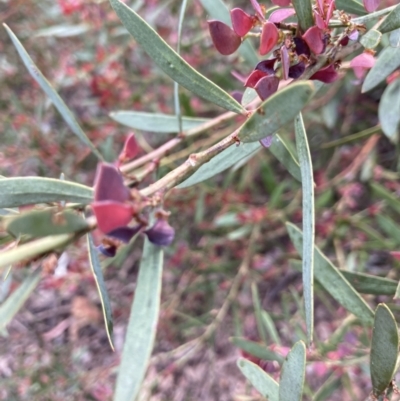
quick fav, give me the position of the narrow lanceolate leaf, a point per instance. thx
(389, 110)
(387, 62)
(392, 21)
(34, 248)
(41, 223)
(333, 280)
(170, 61)
(351, 6)
(257, 350)
(10, 307)
(384, 349)
(307, 183)
(292, 374)
(101, 288)
(154, 122)
(394, 38)
(32, 190)
(276, 111)
(221, 162)
(142, 324)
(264, 383)
(218, 10)
(51, 93)
(304, 13)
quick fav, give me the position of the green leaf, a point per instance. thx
(63, 109)
(389, 226)
(307, 181)
(219, 163)
(142, 324)
(392, 21)
(34, 248)
(384, 349)
(276, 111)
(371, 39)
(31, 190)
(292, 374)
(101, 288)
(382, 193)
(387, 62)
(394, 38)
(170, 61)
(351, 6)
(257, 311)
(389, 110)
(261, 381)
(41, 223)
(256, 349)
(270, 327)
(333, 280)
(11, 306)
(162, 123)
(217, 9)
(304, 13)
(328, 388)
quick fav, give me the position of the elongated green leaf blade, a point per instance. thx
(264, 383)
(394, 38)
(387, 62)
(220, 163)
(41, 223)
(101, 288)
(307, 181)
(382, 193)
(389, 111)
(218, 10)
(170, 61)
(371, 39)
(333, 280)
(304, 13)
(142, 324)
(155, 122)
(351, 6)
(384, 349)
(276, 111)
(31, 190)
(10, 307)
(389, 226)
(51, 93)
(392, 21)
(293, 373)
(256, 349)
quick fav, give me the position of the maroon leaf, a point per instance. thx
(267, 86)
(253, 78)
(109, 184)
(225, 39)
(161, 233)
(281, 14)
(269, 38)
(326, 75)
(241, 21)
(285, 60)
(371, 5)
(314, 39)
(296, 71)
(111, 215)
(266, 66)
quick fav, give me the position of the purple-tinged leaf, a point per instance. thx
(314, 39)
(267, 141)
(296, 71)
(354, 35)
(131, 148)
(253, 78)
(285, 60)
(361, 64)
(237, 95)
(111, 215)
(109, 184)
(281, 14)
(371, 5)
(301, 46)
(327, 74)
(267, 86)
(161, 233)
(320, 4)
(225, 39)
(329, 13)
(266, 66)
(282, 3)
(125, 234)
(319, 20)
(269, 38)
(257, 9)
(241, 21)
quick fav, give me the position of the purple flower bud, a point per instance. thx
(296, 71)
(225, 39)
(161, 233)
(301, 46)
(241, 21)
(267, 86)
(109, 250)
(253, 78)
(109, 184)
(266, 66)
(125, 234)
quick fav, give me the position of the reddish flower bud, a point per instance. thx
(266, 66)
(371, 5)
(241, 21)
(267, 86)
(269, 38)
(285, 60)
(281, 14)
(253, 78)
(161, 233)
(315, 39)
(109, 184)
(282, 3)
(131, 148)
(361, 64)
(326, 75)
(125, 234)
(111, 215)
(225, 39)
(296, 71)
